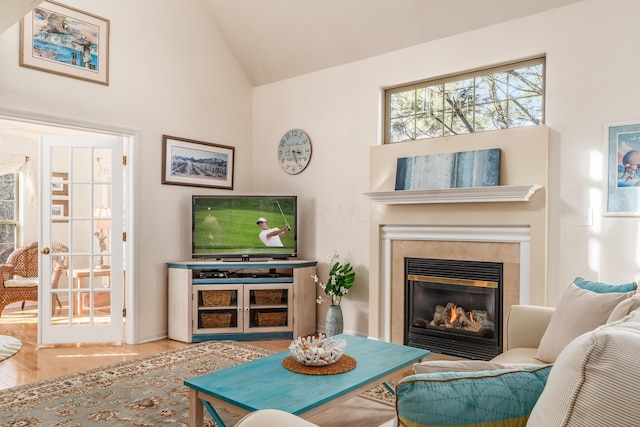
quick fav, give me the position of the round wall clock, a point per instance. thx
(294, 151)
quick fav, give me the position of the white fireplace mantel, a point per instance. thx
(500, 193)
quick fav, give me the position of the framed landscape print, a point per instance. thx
(196, 163)
(62, 40)
(623, 169)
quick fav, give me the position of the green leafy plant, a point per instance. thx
(341, 278)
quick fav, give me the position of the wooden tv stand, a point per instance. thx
(244, 300)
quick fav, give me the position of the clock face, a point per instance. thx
(294, 151)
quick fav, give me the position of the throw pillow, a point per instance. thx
(502, 397)
(604, 288)
(584, 306)
(592, 381)
(625, 308)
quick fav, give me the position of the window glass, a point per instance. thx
(511, 95)
(8, 215)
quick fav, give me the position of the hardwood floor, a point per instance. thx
(33, 364)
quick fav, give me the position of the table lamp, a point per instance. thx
(102, 223)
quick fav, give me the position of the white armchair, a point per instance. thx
(525, 327)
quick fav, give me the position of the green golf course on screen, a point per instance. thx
(229, 226)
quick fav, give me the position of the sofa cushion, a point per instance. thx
(523, 355)
(433, 366)
(584, 306)
(21, 282)
(593, 379)
(485, 398)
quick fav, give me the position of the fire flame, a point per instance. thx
(454, 313)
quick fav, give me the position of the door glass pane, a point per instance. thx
(59, 160)
(81, 219)
(81, 200)
(81, 164)
(102, 169)
(98, 307)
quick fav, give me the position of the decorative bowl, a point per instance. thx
(321, 351)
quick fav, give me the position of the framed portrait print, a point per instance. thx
(59, 186)
(62, 40)
(59, 208)
(623, 169)
(196, 163)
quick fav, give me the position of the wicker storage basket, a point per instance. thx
(268, 297)
(216, 298)
(215, 320)
(272, 319)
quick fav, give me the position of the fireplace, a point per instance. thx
(454, 307)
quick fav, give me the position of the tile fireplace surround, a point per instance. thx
(507, 245)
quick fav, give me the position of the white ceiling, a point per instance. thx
(12, 10)
(277, 39)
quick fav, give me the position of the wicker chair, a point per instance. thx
(19, 276)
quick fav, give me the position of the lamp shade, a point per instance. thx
(104, 218)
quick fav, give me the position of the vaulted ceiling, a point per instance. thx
(277, 39)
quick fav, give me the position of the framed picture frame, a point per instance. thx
(197, 163)
(623, 169)
(59, 186)
(66, 41)
(59, 208)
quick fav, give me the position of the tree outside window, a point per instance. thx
(8, 215)
(499, 98)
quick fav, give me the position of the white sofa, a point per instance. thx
(590, 360)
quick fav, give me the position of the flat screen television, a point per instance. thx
(230, 227)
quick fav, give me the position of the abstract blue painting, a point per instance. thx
(451, 170)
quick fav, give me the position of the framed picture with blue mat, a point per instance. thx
(62, 40)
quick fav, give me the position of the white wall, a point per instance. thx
(164, 79)
(591, 74)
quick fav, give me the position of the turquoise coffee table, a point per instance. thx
(265, 384)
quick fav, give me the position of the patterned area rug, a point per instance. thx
(143, 392)
(9, 346)
(380, 394)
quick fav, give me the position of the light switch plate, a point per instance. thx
(586, 217)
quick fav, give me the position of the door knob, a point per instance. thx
(45, 251)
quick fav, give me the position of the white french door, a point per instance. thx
(81, 246)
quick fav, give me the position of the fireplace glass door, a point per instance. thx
(454, 307)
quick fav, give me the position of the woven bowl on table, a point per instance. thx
(321, 351)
